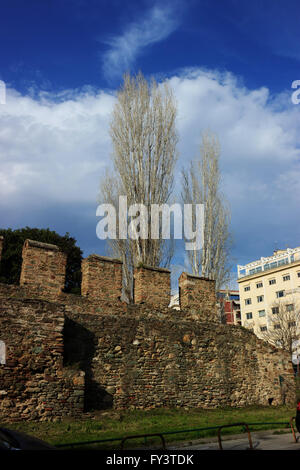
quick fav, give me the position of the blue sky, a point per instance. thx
(230, 63)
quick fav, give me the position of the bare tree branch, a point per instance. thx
(282, 325)
(201, 185)
(144, 154)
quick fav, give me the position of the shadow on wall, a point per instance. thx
(79, 350)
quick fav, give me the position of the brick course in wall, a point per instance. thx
(93, 351)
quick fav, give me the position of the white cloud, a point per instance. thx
(53, 150)
(154, 26)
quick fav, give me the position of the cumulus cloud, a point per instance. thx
(53, 149)
(154, 26)
(53, 146)
(260, 154)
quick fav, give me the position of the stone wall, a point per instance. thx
(43, 268)
(152, 286)
(198, 293)
(101, 278)
(146, 360)
(34, 384)
(94, 351)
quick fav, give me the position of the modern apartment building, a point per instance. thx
(266, 283)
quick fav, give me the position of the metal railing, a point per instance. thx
(232, 425)
(182, 431)
(145, 436)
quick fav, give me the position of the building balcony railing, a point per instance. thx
(264, 264)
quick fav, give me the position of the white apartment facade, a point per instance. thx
(266, 283)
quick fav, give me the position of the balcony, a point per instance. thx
(264, 264)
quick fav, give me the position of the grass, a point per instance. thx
(107, 425)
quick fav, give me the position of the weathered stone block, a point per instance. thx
(152, 286)
(43, 268)
(101, 278)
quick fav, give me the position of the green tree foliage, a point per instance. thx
(10, 266)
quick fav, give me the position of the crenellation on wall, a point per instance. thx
(101, 278)
(152, 286)
(66, 353)
(199, 293)
(43, 268)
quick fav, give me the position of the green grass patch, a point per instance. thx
(111, 425)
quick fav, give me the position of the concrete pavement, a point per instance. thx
(261, 440)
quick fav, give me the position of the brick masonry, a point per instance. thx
(93, 351)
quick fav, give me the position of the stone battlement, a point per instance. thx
(63, 354)
(44, 268)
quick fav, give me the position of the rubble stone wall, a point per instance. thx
(63, 354)
(34, 384)
(148, 359)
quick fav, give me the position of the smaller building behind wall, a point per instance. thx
(229, 306)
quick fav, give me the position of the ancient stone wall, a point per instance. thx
(101, 278)
(140, 356)
(198, 293)
(152, 286)
(147, 360)
(34, 384)
(43, 268)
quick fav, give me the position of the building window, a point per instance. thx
(275, 310)
(291, 324)
(280, 293)
(249, 315)
(289, 307)
(263, 328)
(255, 270)
(298, 273)
(259, 284)
(277, 327)
(272, 281)
(2, 353)
(283, 261)
(261, 313)
(246, 288)
(247, 301)
(287, 277)
(260, 298)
